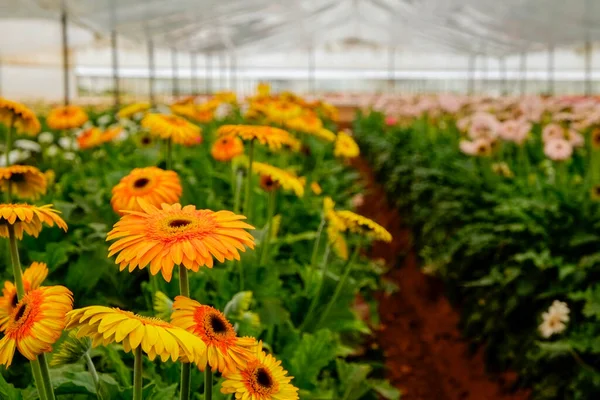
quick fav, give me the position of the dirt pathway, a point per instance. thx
(426, 357)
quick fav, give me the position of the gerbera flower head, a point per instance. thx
(28, 218)
(287, 180)
(595, 193)
(281, 111)
(262, 379)
(111, 133)
(132, 109)
(558, 149)
(552, 131)
(172, 127)
(555, 319)
(36, 323)
(175, 235)
(154, 185)
(316, 188)
(274, 138)
(225, 350)
(227, 147)
(25, 181)
(359, 224)
(596, 138)
(105, 325)
(19, 116)
(66, 117)
(345, 146)
(89, 138)
(32, 279)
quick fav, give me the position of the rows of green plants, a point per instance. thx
(284, 297)
(513, 231)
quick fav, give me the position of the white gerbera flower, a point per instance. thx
(555, 319)
(46, 137)
(28, 145)
(52, 151)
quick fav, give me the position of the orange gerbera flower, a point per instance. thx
(36, 323)
(265, 135)
(66, 117)
(25, 181)
(111, 133)
(91, 137)
(286, 179)
(152, 184)
(28, 218)
(19, 116)
(105, 325)
(262, 379)
(163, 238)
(32, 279)
(227, 147)
(225, 351)
(171, 127)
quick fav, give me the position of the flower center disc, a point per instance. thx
(179, 223)
(217, 325)
(263, 378)
(20, 312)
(15, 300)
(17, 178)
(140, 183)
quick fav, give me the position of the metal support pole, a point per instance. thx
(209, 68)
(194, 74)
(471, 73)
(222, 71)
(175, 75)
(523, 73)
(392, 70)
(588, 68)
(65, 55)
(151, 73)
(233, 72)
(551, 70)
(115, 69)
(485, 78)
(312, 84)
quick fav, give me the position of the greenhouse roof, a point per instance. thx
(465, 26)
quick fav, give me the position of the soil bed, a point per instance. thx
(426, 356)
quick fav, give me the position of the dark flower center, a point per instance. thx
(140, 183)
(15, 300)
(597, 190)
(217, 324)
(20, 312)
(179, 223)
(17, 178)
(146, 140)
(263, 377)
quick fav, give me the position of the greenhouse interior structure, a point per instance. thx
(300, 199)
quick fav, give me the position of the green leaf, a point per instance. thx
(385, 389)
(312, 354)
(8, 391)
(239, 303)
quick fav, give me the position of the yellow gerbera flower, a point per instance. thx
(163, 238)
(262, 379)
(32, 279)
(281, 111)
(263, 89)
(345, 146)
(316, 188)
(227, 147)
(595, 193)
(287, 180)
(66, 117)
(226, 97)
(172, 127)
(335, 227)
(89, 138)
(19, 116)
(359, 224)
(274, 138)
(25, 181)
(133, 109)
(105, 325)
(28, 218)
(36, 323)
(152, 184)
(225, 351)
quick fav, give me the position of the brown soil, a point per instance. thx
(426, 357)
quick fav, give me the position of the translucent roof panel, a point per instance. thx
(466, 26)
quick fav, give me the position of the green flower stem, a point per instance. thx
(270, 214)
(91, 368)
(315, 300)
(186, 371)
(339, 287)
(208, 383)
(238, 191)
(247, 198)
(46, 376)
(315, 251)
(39, 381)
(137, 373)
(169, 160)
(16, 262)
